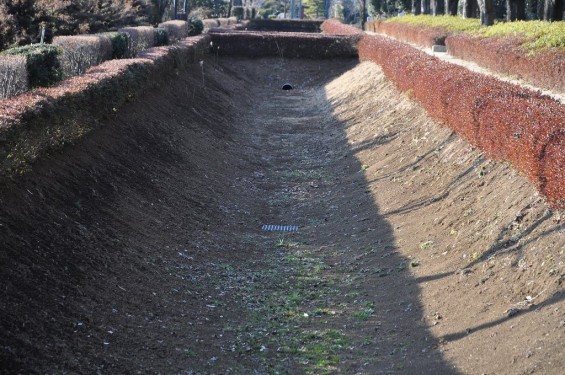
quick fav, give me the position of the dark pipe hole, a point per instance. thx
(287, 86)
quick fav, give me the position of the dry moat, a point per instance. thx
(140, 249)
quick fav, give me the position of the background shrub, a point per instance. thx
(43, 66)
(177, 29)
(237, 12)
(195, 27)
(210, 23)
(119, 44)
(139, 38)
(83, 51)
(13, 76)
(161, 37)
(227, 21)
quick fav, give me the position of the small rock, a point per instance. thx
(512, 312)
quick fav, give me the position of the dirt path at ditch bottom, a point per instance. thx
(141, 250)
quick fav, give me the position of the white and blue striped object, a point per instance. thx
(280, 228)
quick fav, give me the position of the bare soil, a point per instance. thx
(140, 250)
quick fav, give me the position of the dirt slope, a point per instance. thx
(140, 250)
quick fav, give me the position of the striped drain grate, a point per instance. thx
(280, 228)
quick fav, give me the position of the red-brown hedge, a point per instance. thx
(176, 29)
(283, 44)
(507, 121)
(424, 36)
(371, 25)
(505, 55)
(43, 119)
(336, 27)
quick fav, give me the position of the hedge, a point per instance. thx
(371, 25)
(83, 51)
(506, 121)
(195, 27)
(305, 26)
(44, 119)
(210, 23)
(13, 76)
(507, 54)
(139, 38)
(119, 44)
(161, 37)
(336, 27)
(544, 68)
(176, 29)
(423, 36)
(43, 66)
(287, 45)
(237, 12)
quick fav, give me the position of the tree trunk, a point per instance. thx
(553, 10)
(425, 6)
(437, 7)
(451, 7)
(470, 9)
(416, 7)
(561, 10)
(539, 9)
(486, 8)
(364, 20)
(515, 10)
(531, 9)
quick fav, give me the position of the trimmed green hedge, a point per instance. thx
(195, 27)
(119, 44)
(161, 37)
(43, 64)
(237, 12)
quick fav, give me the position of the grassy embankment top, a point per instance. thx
(536, 35)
